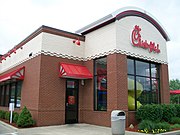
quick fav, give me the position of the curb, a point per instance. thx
(7, 125)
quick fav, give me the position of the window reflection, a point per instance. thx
(143, 84)
(100, 79)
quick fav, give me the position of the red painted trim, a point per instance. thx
(144, 16)
(10, 75)
(131, 13)
(45, 29)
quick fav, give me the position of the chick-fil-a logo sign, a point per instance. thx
(138, 42)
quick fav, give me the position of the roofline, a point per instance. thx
(121, 13)
(49, 30)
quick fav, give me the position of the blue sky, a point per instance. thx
(19, 18)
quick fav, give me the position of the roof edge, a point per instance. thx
(121, 13)
(46, 29)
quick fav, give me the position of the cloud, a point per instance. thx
(19, 18)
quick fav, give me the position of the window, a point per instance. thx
(11, 93)
(143, 83)
(100, 84)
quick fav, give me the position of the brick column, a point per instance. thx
(117, 82)
(164, 84)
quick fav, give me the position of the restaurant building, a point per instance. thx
(116, 63)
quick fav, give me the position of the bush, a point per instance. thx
(177, 106)
(7, 115)
(175, 120)
(163, 125)
(15, 117)
(25, 119)
(175, 126)
(2, 114)
(150, 112)
(146, 124)
(169, 111)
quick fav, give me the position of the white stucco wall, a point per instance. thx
(100, 42)
(148, 32)
(62, 47)
(112, 38)
(21, 55)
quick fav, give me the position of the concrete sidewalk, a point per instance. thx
(69, 129)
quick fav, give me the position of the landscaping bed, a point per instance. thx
(155, 119)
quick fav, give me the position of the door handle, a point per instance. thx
(67, 104)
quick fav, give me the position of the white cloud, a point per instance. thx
(19, 18)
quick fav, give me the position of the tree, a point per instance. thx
(174, 84)
(25, 118)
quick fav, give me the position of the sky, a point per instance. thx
(19, 18)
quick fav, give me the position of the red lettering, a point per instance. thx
(137, 42)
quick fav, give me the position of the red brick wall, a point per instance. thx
(30, 86)
(43, 92)
(116, 89)
(52, 91)
(164, 85)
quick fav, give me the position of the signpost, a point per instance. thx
(11, 109)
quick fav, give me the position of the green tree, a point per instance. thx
(25, 118)
(174, 84)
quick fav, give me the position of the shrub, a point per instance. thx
(175, 120)
(175, 126)
(15, 117)
(25, 118)
(163, 125)
(150, 112)
(7, 115)
(169, 111)
(146, 124)
(2, 114)
(177, 106)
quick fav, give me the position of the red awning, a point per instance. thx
(16, 74)
(74, 71)
(174, 91)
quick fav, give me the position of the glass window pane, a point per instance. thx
(18, 94)
(101, 66)
(154, 71)
(100, 80)
(7, 96)
(12, 97)
(2, 95)
(130, 64)
(155, 91)
(142, 68)
(71, 84)
(131, 94)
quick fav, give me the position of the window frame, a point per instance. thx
(95, 75)
(4, 87)
(135, 76)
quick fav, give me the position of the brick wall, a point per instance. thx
(52, 91)
(164, 85)
(43, 92)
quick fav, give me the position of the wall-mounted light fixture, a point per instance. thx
(77, 42)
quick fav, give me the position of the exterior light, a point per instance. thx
(3, 58)
(9, 54)
(14, 50)
(77, 41)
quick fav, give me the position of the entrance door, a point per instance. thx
(72, 88)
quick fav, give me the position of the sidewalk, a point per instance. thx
(70, 129)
